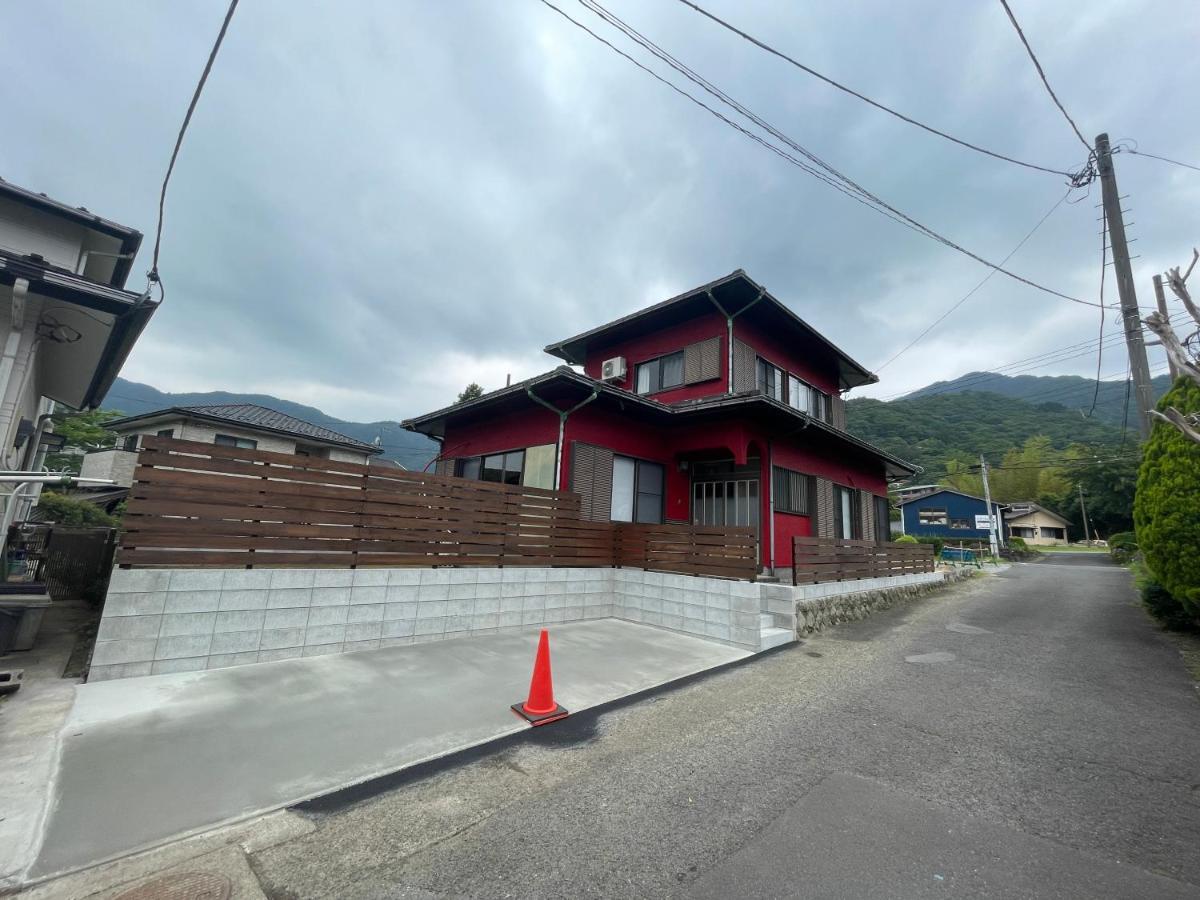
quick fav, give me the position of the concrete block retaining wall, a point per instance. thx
(179, 620)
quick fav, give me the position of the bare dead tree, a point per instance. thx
(1185, 361)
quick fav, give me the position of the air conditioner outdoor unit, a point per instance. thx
(613, 369)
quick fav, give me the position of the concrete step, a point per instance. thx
(775, 637)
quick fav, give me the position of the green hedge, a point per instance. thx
(1166, 507)
(906, 539)
(63, 510)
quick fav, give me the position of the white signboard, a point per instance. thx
(982, 523)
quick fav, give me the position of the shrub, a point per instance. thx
(937, 542)
(1126, 540)
(1159, 603)
(906, 539)
(1166, 507)
(64, 510)
(1017, 543)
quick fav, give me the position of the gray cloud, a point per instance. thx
(379, 202)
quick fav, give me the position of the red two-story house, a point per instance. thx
(717, 407)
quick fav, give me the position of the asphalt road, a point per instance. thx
(1029, 734)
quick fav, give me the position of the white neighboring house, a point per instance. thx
(67, 321)
(244, 425)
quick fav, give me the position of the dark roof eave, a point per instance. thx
(560, 348)
(427, 424)
(124, 334)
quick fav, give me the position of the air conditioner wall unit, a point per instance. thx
(613, 369)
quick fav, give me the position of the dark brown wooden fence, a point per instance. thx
(693, 550)
(204, 505)
(828, 559)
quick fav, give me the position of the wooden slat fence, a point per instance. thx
(203, 505)
(816, 559)
(689, 549)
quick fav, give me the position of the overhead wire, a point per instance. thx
(1042, 74)
(845, 185)
(969, 294)
(1173, 162)
(868, 100)
(153, 276)
(1103, 272)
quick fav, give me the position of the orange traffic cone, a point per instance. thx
(541, 708)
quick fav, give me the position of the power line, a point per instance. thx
(1074, 176)
(1100, 348)
(162, 197)
(1042, 75)
(860, 193)
(1173, 162)
(969, 294)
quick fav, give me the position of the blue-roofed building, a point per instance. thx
(950, 514)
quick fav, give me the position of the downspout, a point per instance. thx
(771, 488)
(729, 330)
(562, 427)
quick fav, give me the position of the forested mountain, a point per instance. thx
(1070, 391)
(931, 430)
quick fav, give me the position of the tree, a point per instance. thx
(471, 392)
(1166, 510)
(81, 431)
(1184, 360)
(64, 510)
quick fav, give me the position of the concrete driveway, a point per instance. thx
(1028, 734)
(146, 759)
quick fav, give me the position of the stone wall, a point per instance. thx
(819, 606)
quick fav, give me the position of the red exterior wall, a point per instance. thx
(788, 526)
(667, 340)
(844, 470)
(527, 428)
(791, 357)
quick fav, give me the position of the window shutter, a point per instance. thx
(744, 376)
(591, 478)
(444, 467)
(702, 361)
(826, 523)
(838, 411)
(866, 504)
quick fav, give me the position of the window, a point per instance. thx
(228, 440)
(531, 466)
(637, 491)
(314, 452)
(820, 405)
(539, 466)
(130, 442)
(847, 512)
(167, 432)
(932, 515)
(792, 492)
(799, 394)
(962, 523)
(503, 468)
(660, 374)
(771, 380)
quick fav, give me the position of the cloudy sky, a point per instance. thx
(380, 202)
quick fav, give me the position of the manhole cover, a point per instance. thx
(185, 886)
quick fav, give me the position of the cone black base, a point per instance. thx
(559, 712)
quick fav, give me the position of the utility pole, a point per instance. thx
(1130, 316)
(1083, 509)
(987, 498)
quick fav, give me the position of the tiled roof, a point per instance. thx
(253, 416)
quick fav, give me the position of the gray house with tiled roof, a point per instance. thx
(243, 425)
